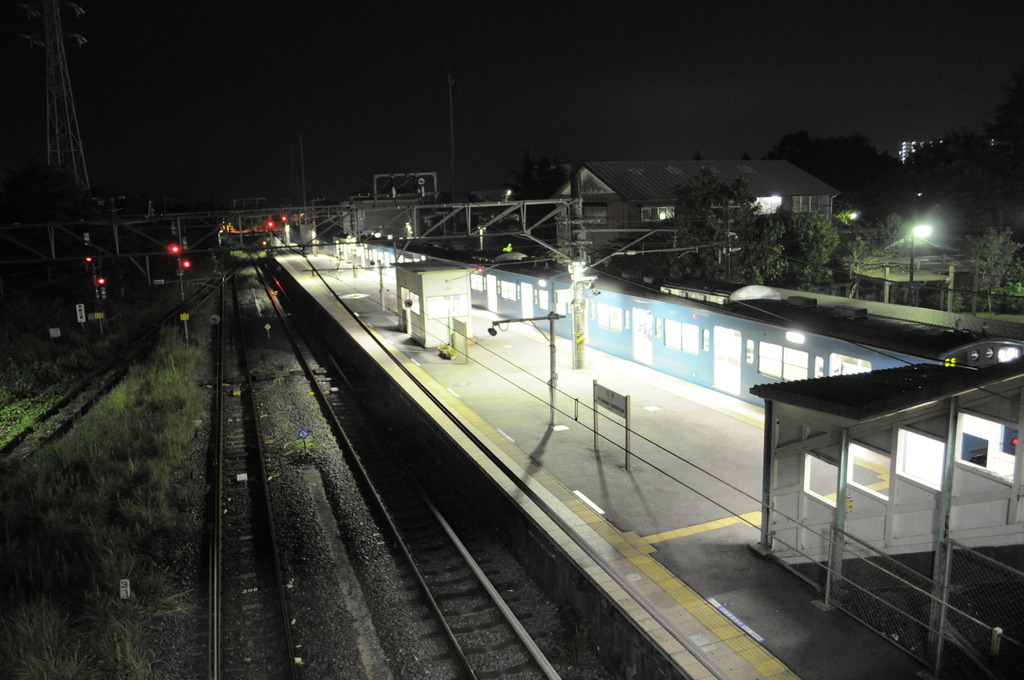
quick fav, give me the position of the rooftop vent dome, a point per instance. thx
(754, 293)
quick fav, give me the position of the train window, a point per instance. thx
(839, 364)
(673, 334)
(920, 458)
(476, 282)
(609, 316)
(870, 470)
(691, 338)
(988, 444)
(706, 343)
(819, 367)
(782, 362)
(682, 336)
(771, 360)
(507, 290)
(820, 479)
(542, 299)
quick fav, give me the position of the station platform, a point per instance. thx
(682, 517)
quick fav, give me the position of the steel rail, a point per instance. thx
(510, 618)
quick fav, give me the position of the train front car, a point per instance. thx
(984, 352)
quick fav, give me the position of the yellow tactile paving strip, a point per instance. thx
(752, 518)
(754, 662)
(638, 551)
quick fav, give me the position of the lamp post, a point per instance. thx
(920, 231)
(553, 382)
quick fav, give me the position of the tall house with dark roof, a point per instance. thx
(620, 195)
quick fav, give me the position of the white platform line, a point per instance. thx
(589, 502)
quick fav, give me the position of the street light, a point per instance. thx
(553, 382)
(920, 231)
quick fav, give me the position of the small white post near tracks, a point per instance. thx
(617, 404)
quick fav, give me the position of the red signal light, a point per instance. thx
(480, 270)
(186, 264)
(101, 281)
(88, 258)
(174, 249)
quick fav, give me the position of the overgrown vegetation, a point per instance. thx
(115, 499)
(36, 370)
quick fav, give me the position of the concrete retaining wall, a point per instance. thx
(627, 651)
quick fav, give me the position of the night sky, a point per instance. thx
(209, 100)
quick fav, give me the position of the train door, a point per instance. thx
(526, 299)
(728, 358)
(492, 293)
(643, 335)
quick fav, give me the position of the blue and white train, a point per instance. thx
(730, 338)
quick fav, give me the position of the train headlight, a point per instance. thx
(1008, 353)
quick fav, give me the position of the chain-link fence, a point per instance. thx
(970, 626)
(985, 612)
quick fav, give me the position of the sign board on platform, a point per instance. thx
(613, 401)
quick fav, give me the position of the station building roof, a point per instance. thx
(863, 396)
(658, 180)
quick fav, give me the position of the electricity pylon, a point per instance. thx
(63, 141)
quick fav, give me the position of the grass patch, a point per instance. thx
(103, 504)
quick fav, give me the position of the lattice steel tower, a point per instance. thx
(63, 142)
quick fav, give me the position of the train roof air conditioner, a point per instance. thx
(848, 312)
(801, 301)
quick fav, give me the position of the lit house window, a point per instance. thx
(657, 213)
(769, 204)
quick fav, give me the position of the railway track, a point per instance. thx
(249, 624)
(26, 436)
(476, 631)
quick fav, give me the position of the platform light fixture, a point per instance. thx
(920, 231)
(551, 317)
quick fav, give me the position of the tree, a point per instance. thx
(719, 221)
(1007, 130)
(956, 180)
(761, 257)
(994, 253)
(539, 178)
(864, 246)
(41, 193)
(851, 164)
(1007, 135)
(815, 240)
